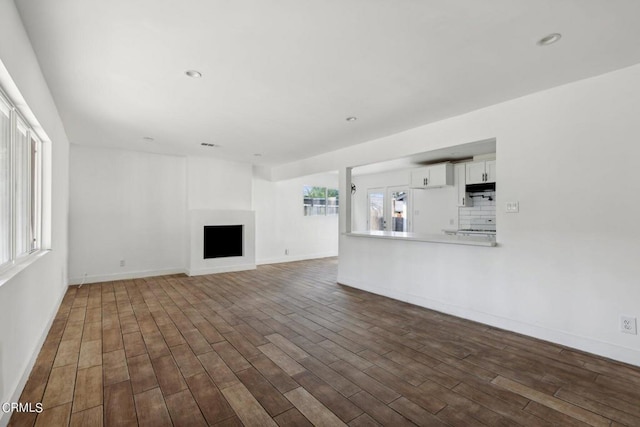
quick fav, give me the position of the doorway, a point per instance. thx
(388, 208)
(398, 208)
(375, 209)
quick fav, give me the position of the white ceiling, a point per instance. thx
(281, 76)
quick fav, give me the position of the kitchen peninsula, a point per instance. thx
(456, 239)
(451, 199)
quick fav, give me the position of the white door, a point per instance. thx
(398, 209)
(375, 208)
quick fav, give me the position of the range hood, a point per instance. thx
(478, 188)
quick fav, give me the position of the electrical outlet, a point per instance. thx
(512, 207)
(122, 263)
(628, 325)
(451, 221)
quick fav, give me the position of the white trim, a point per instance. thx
(125, 276)
(15, 396)
(600, 348)
(289, 258)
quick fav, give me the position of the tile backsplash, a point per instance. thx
(482, 214)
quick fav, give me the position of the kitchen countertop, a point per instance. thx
(432, 238)
(465, 231)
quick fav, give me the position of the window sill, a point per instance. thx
(12, 270)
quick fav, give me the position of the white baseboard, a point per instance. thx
(15, 396)
(289, 258)
(222, 269)
(590, 345)
(164, 272)
(125, 276)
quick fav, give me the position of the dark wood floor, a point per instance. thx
(286, 345)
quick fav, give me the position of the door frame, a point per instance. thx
(377, 190)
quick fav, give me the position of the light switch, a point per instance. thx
(512, 207)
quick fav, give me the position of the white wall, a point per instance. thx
(142, 202)
(565, 268)
(29, 300)
(130, 206)
(218, 184)
(280, 223)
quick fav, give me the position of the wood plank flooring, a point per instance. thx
(285, 345)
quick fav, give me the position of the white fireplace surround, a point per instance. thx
(198, 218)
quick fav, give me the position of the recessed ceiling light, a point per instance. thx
(351, 119)
(193, 73)
(207, 144)
(148, 138)
(550, 39)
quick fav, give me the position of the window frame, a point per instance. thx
(5, 100)
(26, 160)
(36, 174)
(335, 208)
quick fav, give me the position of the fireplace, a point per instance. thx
(221, 241)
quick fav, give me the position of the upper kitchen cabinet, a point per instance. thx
(432, 176)
(481, 172)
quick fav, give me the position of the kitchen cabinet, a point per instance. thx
(490, 170)
(432, 176)
(480, 172)
(460, 173)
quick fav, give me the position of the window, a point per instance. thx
(20, 186)
(5, 182)
(320, 201)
